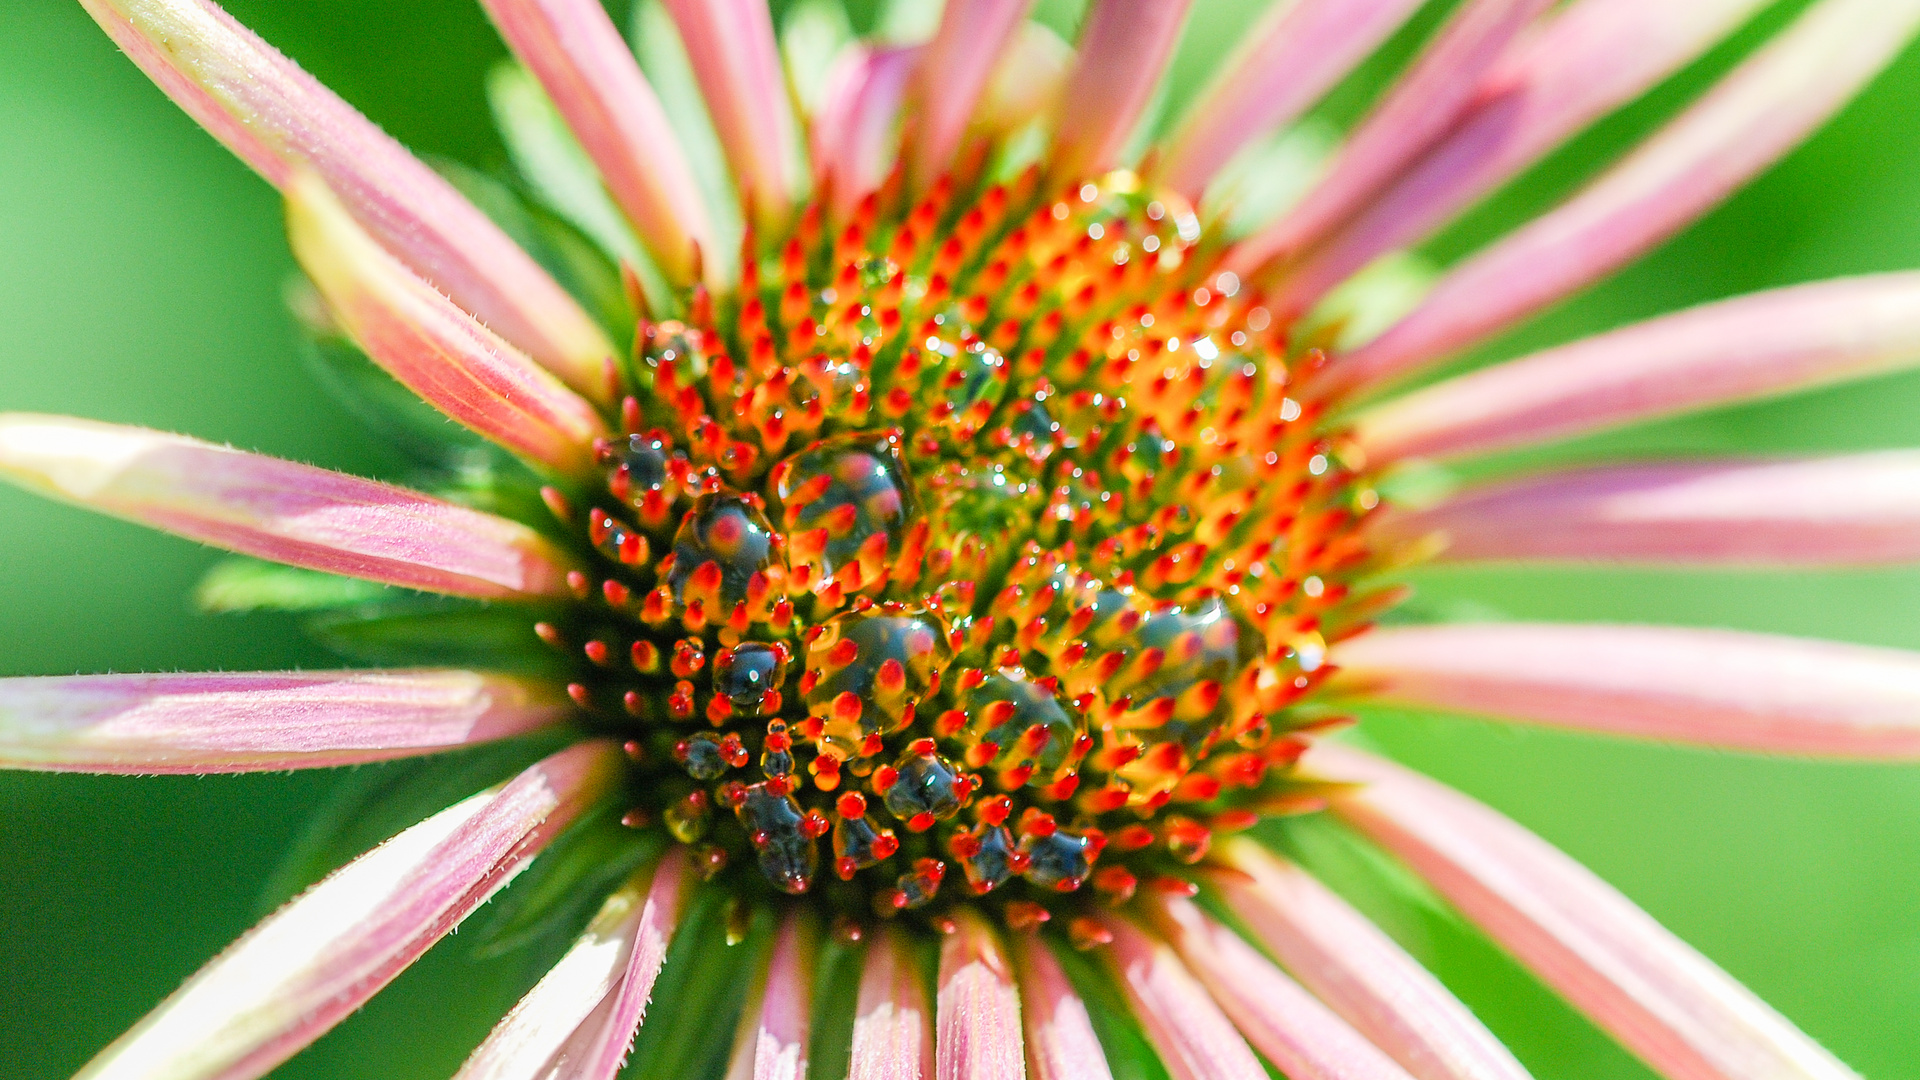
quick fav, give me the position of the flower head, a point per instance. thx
(953, 529)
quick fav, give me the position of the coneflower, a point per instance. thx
(942, 543)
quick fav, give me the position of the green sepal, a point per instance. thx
(836, 1000)
(582, 267)
(1129, 1055)
(243, 584)
(417, 429)
(811, 36)
(555, 898)
(561, 177)
(373, 803)
(440, 631)
(690, 1026)
(663, 58)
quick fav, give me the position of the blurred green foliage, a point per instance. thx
(141, 269)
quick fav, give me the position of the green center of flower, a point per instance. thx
(974, 553)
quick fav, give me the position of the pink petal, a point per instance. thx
(1734, 350)
(1712, 687)
(1060, 1038)
(737, 63)
(1194, 1038)
(527, 1041)
(440, 352)
(1299, 1035)
(316, 960)
(1358, 971)
(854, 133)
(951, 77)
(1427, 102)
(774, 1026)
(1301, 51)
(251, 722)
(295, 514)
(1124, 46)
(605, 1050)
(1588, 60)
(1854, 510)
(978, 1006)
(892, 1033)
(1764, 108)
(279, 119)
(1682, 1015)
(578, 55)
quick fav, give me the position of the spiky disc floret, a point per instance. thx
(977, 543)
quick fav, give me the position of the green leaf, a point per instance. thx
(242, 584)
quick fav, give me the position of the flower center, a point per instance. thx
(972, 554)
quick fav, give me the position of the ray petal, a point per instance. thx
(1124, 46)
(280, 120)
(439, 351)
(273, 509)
(1589, 59)
(1749, 347)
(737, 62)
(526, 1042)
(1440, 88)
(1195, 1039)
(854, 134)
(578, 55)
(604, 1049)
(1665, 1002)
(1299, 1035)
(1765, 107)
(316, 960)
(1297, 55)
(1360, 972)
(892, 1030)
(1861, 509)
(1061, 1041)
(258, 721)
(952, 74)
(977, 1007)
(772, 1044)
(1718, 688)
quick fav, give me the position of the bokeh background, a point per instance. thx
(141, 269)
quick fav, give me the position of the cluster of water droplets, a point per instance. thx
(971, 550)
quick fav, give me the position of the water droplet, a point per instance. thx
(853, 486)
(1032, 730)
(777, 827)
(1059, 861)
(988, 856)
(868, 670)
(724, 555)
(749, 675)
(922, 787)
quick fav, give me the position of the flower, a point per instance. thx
(998, 528)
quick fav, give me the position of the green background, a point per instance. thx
(140, 275)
